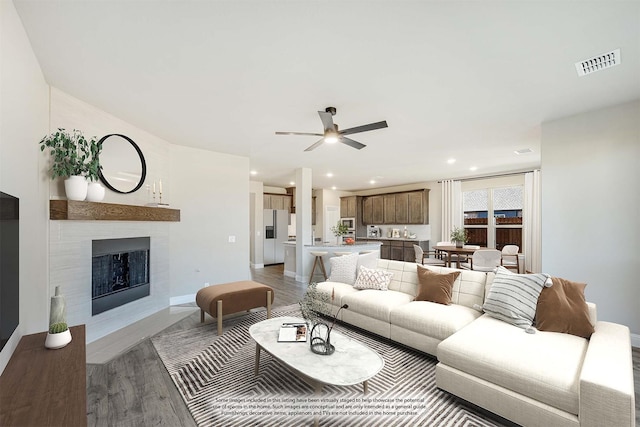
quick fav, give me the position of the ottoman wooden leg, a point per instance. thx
(220, 317)
(268, 304)
(201, 316)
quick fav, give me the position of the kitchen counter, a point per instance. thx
(398, 239)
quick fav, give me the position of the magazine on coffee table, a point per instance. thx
(293, 332)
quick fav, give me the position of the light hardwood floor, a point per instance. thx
(134, 389)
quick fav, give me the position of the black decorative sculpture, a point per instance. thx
(321, 336)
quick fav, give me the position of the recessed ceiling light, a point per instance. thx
(334, 187)
(473, 168)
(329, 174)
(373, 181)
(254, 172)
(292, 183)
(451, 161)
(524, 151)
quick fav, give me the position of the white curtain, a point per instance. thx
(532, 222)
(452, 215)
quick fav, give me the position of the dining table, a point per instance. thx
(451, 250)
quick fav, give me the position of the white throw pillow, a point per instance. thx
(343, 268)
(369, 260)
(370, 278)
(513, 297)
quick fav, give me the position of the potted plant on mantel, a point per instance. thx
(459, 236)
(76, 159)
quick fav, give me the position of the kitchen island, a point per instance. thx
(302, 274)
(397, 248)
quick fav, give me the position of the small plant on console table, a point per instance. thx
(59, 334)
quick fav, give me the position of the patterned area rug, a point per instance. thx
(215, 376)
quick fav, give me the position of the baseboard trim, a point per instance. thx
(182, 299)
(635, 340)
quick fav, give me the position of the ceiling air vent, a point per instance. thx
(598, 63)
(524, 151)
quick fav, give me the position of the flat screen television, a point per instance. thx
(9, 266)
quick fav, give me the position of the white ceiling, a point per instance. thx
(467, 80)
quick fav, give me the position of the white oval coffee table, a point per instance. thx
(351, 363)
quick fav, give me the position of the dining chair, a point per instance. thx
(454, 257)
(510, 258)
(423, 258)
(483, 260)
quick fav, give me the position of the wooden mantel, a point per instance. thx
(92, 211)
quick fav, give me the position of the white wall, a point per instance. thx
(24, 117)
(590, 205)
(212, 192)
(256, 220)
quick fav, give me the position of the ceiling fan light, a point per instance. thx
(330, 138)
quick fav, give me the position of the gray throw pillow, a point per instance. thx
(513, 297)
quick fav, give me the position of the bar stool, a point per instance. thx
(318, 261)
(339, 253)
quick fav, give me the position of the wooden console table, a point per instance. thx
(42, 387)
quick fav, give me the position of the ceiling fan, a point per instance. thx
(332, 134)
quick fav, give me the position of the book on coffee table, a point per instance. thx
(293, 332)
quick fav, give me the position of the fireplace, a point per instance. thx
(119, 273)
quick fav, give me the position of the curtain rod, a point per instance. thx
(476, 178)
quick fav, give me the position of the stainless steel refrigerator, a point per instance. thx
(276, 232)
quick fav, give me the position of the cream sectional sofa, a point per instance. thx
(541, 379)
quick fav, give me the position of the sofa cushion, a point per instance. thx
(513, 297)
(336, 290)
(544, 366)
(435, 287)
(562, 308)
(343, 268)
(369, 260)
(372, 278)
(468, 289)
(375, 304)
(432, 319)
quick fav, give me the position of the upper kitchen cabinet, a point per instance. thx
(277, 201)
(389, 209)
(349, 207)
(402, 208)
(409, 207)
(373, 210)
(418, 203)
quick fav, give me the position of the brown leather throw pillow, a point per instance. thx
(435, 287)
(563, 308)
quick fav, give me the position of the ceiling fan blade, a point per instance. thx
(299, 133)
(316, 145)
(327, 120)
(364, 128)
(352, 143)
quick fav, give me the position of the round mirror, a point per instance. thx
(123, 168)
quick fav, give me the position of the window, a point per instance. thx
(493, 216)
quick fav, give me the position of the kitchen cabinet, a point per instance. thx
(401, 208)
(313, 211)
(276, 201)
(349, 207)
(389, 208)
(373, 210)
(399, 249)
(409, 207)
(418, 207)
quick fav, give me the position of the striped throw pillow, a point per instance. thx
(513, 297)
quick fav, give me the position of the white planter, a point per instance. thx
(54, 341)
(95, 192)
(76, 187)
